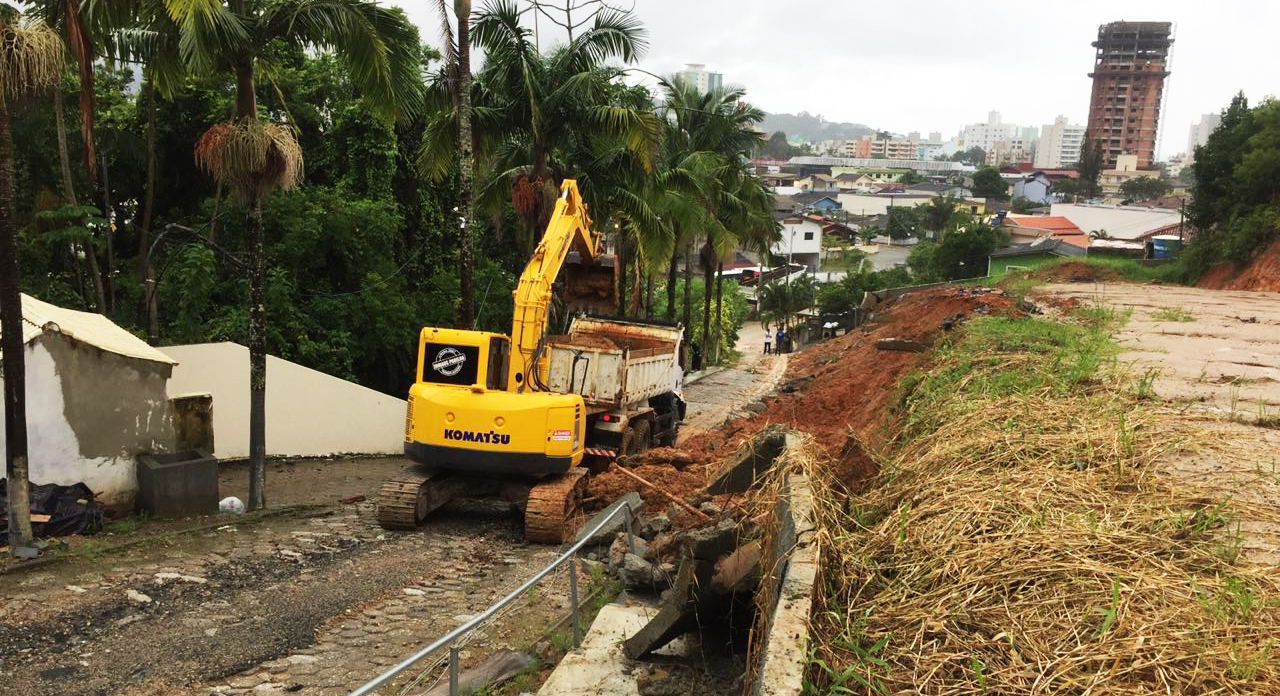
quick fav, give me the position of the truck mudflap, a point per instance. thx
(470, 461)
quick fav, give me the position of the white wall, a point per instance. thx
(309, 413)
(53, 450)
(1119, 222)
(793, 241)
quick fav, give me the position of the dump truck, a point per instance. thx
(529, 415)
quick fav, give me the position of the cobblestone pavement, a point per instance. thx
(725, 394)
(293, 605)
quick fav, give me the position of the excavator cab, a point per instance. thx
(462, 417)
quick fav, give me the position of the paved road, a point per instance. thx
(716, 397)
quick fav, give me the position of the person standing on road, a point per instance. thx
(777, 339)
(766, 343)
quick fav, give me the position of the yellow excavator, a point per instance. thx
(519, 415)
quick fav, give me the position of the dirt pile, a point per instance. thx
(1075, 272)
(1262, 273)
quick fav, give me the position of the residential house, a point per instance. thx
(816, 182)
(817, 200)
(934, 188)
(1026, 229)
(879, 174)
(778, 178)
(801, 241)
(1038, 185)
(1126, 170)
(96, 399)
(1027, 257)
(849, 181)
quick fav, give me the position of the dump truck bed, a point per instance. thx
(614, 364)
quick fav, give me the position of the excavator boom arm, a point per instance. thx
(569, 228)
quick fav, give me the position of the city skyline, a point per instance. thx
(955, 66)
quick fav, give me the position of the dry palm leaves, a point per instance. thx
(250, 157)
(1029, 546)
(30, 58)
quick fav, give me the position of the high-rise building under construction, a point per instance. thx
(1128, 84)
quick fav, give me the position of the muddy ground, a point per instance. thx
(1216, 348)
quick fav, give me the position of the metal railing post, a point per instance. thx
(453, 670)
(631, 539)
(573, 599)
(450, 639)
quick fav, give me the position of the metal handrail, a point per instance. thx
(569, 556)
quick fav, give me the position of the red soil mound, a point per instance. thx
(1262, 273)
(841, 387)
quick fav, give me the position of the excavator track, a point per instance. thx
(401, 501)
(554, 507)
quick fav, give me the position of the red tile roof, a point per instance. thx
(1051, 223)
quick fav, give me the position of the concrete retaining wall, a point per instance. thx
(784, 655)
(309, 413)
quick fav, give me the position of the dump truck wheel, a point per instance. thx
(636, 439)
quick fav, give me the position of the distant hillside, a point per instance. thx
(812, 128)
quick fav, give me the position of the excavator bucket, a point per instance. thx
(591, 287)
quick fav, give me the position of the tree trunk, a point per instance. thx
(688, 287)
(147, 268)
(108, 284)
(466, 250)
(637, 269)
(671, 284)
(706, 300)
(620, 278)
(69, 198)
(719, 307)
(11, 345)
(648, 295)
(257, 359)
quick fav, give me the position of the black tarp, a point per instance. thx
(71, 509)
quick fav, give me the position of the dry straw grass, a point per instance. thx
(30, 58)
(1029, 545)
(251, 157)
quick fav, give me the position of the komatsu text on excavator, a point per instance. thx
(521, 415)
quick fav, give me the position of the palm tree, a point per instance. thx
(714, 132)
(251, 157)
(532, 111)
(30, 61)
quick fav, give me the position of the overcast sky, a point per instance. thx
(935, 66)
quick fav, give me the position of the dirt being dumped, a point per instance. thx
(832, 390)
(1261, 273)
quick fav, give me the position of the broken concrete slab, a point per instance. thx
(599, 666)
(752, 461)
(710, 543)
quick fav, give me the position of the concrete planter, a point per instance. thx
(178, 484)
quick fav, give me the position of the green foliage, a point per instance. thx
(987, 183)
(1172, 314)
(780, 300)
(1144, 188)
(847, 293)
(733, 314)
(1023, 206)
(1090, 167)
(904, 222)
(962, 253)
(910, 177)
(777, 147)
(974, 156)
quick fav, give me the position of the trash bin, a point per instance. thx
(178, 484)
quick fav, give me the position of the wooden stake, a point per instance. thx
(672, 497)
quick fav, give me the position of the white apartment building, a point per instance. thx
(1200, 133)
(697, 75)
(1060, 144)
(986, 135)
